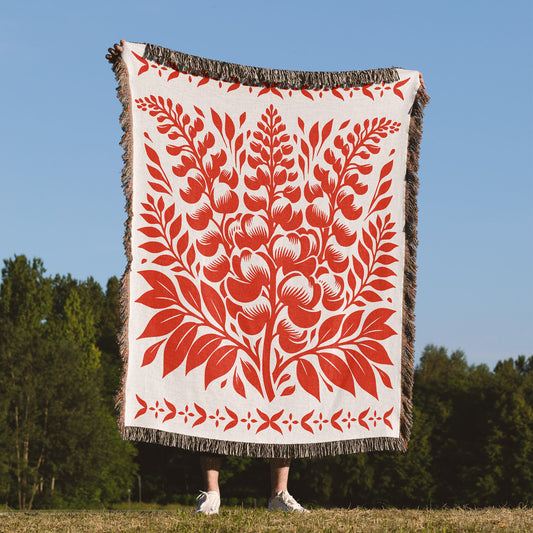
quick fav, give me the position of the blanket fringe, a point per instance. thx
(257, 76)
(246, 449)
(409, 284)
(123, 93)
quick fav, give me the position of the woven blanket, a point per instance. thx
(269, 293)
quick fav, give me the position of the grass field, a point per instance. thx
(260, 521)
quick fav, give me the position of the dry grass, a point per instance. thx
(260, 521)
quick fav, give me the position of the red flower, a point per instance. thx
(291, 339)
(251, 232)
(296, 251)
(254, 318)
(285, 215)
(300, 294)
(252, 275)
(332, 291)
(225, 200)
(319, 214)
(216, 270)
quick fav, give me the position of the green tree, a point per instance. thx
(61, 445)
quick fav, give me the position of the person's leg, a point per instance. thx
(280, 499)
(279, 474)
(209, 500)
(210, 465)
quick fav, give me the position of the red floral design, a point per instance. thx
(258, 421)
(256, 289)
(270, 88)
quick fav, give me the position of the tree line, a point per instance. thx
(472, 440)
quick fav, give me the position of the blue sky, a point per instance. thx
(60, 161)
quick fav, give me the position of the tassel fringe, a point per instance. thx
(257, 76)
(409, 282)
(123, 94)
(247, 449)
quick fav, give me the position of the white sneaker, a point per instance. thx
(283, 501)
(208, 502)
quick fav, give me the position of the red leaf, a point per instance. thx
(386, 259)
(313, 136)
(386, 417)
(220, 363)
(304, 421)
(164, 260)
(337, 371)
(382, 204)
(156, 300)
(150, 353)
(153, 247)
(396, 89)
(150, 231)
(307, 94)
(203, 81)
(230, 128)
(189, 291)
(144, 407)
(326, 130)
(172, 408)
(157, 187)
(301, 124)
(387, 247)
(385, 171)
(361, 418)
(175, 227)
(374, 351)
(367, 92)
(375, 327)
(178, 347)
(144, 68)
(233, 87)
(202, 415)
(251, 375)
(336, 93)
(288, 391)
(183, 242)
(385, 378)
(351, 323)
(383, 272)
(381, 284)
(370, 296)
(367, 240)
(160, 283)
(162, 323)
(201, 350)
(384, 187)
(362, 372)
(238, 386)
(329, 328)
(234, 418)
(155, 173)
(308, 378)
(152, 154)
(363, 253)
(151, 219)
(214, 303)
(217, 121)
(169, 213)
(334, 419)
